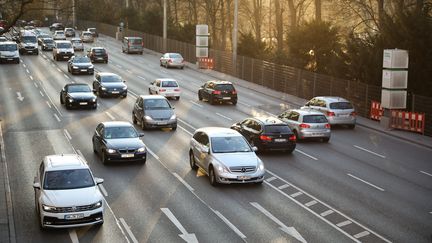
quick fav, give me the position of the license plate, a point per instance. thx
(115, 92)
(100, 58)
(9, 59)
(317, 134)
(280, 140)
(127, 155)
(74, 216)
(83, 103)
(161, 123)
(83, 70)
(226, 98)
(243, 177)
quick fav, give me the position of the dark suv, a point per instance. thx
(218, 91)
(267, 133)
(98, 54)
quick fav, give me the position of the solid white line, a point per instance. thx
(223, 116)
(66, 76)
(305, 154)
(283, 186)
(153, 154)
(187, 124)
(118, 66)
(48, 104)
(296, 194)
(379, 155)
(235, 229)
(31, 77)
(102, 188)
(67, 134)
(58, 69)
(110, 116)
(184, 129)
(56, 117)
(116, 220)
(361, 234)
(343, 223)
(27, 70)
(184, 182)
(133, 93)
(244, 104)
(311, 203)
(141, 78)
(164, 71)
(73, 235)
(81, 154)
(271, 179)
(370, 184)
(35, 84)
(193, 102)
(328, 212)
(425, 173)
(127, 228)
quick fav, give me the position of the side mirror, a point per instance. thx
(36, 185)
(124, 81)
(99, 180)
(173, 107)
(141, 135)
(206, 150)
(254, 148)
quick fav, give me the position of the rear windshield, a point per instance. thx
(277, 129)
(99, 51)
(169, 84)
(59, 33)
(175, 55)
(135, 41)
(8, 47)
(314, 119)
(225, 87)
(87, 33)
(76, 41)
(341, 105)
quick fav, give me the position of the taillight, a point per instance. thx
(177, 90)
(292, 138)
(265, 138)
(353, 113)
(170, 61)
(234, 92)
(329, 113)
(216, 92)
(129, 44)
(327, 126)
(304, 125)
(162, 90)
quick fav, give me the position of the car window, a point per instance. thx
(175, 55)
(340, 105)
(294, 116)
(120, 132)
(157, 83)
(68, 179)
(246, 123)
(48, 41)
(28, 38)
(320, 103)
(8, 47)
(225, 87)
(76, 41)
(229, 144)
(99, 129)
(156, 104)
(111, 79)
(210, 85)
(198, 137)
(136, 41)
(314, 119)
(99, 51)
(255, 126)
(81, 60)
(169, 84)
(78, 88)
(205, 140)
(277, 129)
(140, 102)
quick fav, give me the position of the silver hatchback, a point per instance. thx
(226, 156)
(337, 110)
(306, 123)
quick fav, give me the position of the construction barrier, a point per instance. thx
(410, 121)
(376, 111)
(205, 63)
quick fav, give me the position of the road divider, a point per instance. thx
(73, 235)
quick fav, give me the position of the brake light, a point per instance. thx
(216, 92)
(234, 92)
(162, 90)
(177, 90)
(353, 113)
(304, 125)
(170, 61)
(129, 44)
(265, 138)
(329, 113)
(292, 138)
(327, 126)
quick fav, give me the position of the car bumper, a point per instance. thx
(179, 65)
(57, 220)
(350, 120)
(314, 133)
(82, 104)
(225, 98)
(82, 70)
(231, 178)
(65, 56)
(120, 157)
(9, 59)
(28, 51)
(278, 146)
(160, 124)
(114, 93)
(99, 59)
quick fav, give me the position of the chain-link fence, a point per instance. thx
(290, 80)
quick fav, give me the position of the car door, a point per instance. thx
(39, 179)
(208, 89)
(163, 59)
(97, 135)
(244, 129)
(255, 130)
(157, 85)
(138, 108)
(205, 151)
(96, 83)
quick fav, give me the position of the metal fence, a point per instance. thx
(290, 80)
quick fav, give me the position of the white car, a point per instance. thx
(172, 60)
(59, 35)
(167, 87)
(77, 44)
(87, 36)
(62, 50)
(66, 193)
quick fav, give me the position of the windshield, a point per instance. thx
(59, 33)
(8, 47)
(64, 45)
(68, 179)
(29, 38)
(156, 104)
(76, 41)
(44, 36)
(175, 55)
(341, 105)
(92, 29)
(120, 132)
(81, 60)
(314, 119)
(169, 84)
(48, 41)
(224, 87)
(136, 41)
(229, 145)
(99, 51)
(87, 34)
(111, 79)
(79, 88)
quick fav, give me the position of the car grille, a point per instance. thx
(127, 151)
(29, 47)
(243, 169)
(65, 52)
(55, 221)
(75, 209)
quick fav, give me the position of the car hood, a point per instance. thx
(237, 159)
(118, 85)
(72, 197)
(159, 114)
(9, 53)
(85, 64)
(122, 143)
(82, 95)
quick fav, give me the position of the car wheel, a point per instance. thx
(182, 67)
(200, 96)
(351, 126)
(160, 63)
(212, 100)
(143, 161)
(192, 161)
(174, 127)
(296, 135)
(99, 93)
(106, 61)
(289, 151)
(141, 53)
(143, 124)
(134, 120)
(259, 182)
(94, 148)
(325, 140)
(61, 100)
(124, 96)
(178, 98)
(234, 102)
(212, 177)
(150, 91)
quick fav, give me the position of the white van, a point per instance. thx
(28, 43)
(9, 52)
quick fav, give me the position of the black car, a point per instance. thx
(56, 26)
(218, 91)
(267, 133)
(78, 95)
(98, 54)
(118, 141)
(47, 44)
(80, 64)
(154, 111)
(109, 84)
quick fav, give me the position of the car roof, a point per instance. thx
(58, 31)
(219, 132)
(166, 79)
(268, 120)
(307, 111)
(86, 32)
(332, 98)
(117, 124)
(76, 38)
(64, 162)
(69, 28)
(133, 37)
(102, 74)
(77, 84)
(153, 97)
(62, 41)
(220, 81)
(91, 28)
(97, 47)
(8, 43)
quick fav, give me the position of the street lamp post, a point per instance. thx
(164, 25)
(234, 37)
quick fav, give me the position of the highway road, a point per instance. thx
(362, 186)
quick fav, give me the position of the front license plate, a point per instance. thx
(127, 155)
(243, 177)
(226, 98)
(83, 70)
(100, 58)
(280, 140)
(83, 103)
(9, 59)
(162, 123)
(115, 92)
(74, 216)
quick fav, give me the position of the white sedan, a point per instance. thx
(166, 87)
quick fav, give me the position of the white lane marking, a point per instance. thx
(57, 118)
(127, 228)
(361, 234)
(66, 76)
(270, 114)
(283, 186)
(153, 154)
(235, 229)
(58, 69)
(370, 184)
(82, 155)
(31, 77)
(129, 71)
(163, 71)
(244, 104)
(311, 203)
(116, 220)
(133, 93)
(366, 150)
(187, 124)
(21, 61)
(184, 234)
(289, 230)
(73, 235)
(44, 55)
(271, 179)
(425, 173)
(19, 96)
(305, 154)
(67, 134)
(110, 116)
(141, 77)
(184, 182)
(48, 104)
(41, 93)
(343, 223)
(35, 84)
(296, 194)
(184, 129)
(102, 189)
(24, 65)
(57, 109)
(193, 102)
(118, 66)
(27, 71)
(328, 212)
(223, 116)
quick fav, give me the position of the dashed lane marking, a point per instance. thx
(102, 189)
(426, 173)
(343, 223)
(189, 187)
(67, 134)
(35, 84)
(48, 104)
(283, 186)
(235, 229)
(187, 124)
(184, 129)
(193, 102)
(361, 234)
(57, 118)
(366, 182)
(58, 69)
(153, 154)
(40, 92)
(27, 71)
(31, 77)
(73, 235)
(141, 78)
(311, 203)
(127, 228)
(244, 104)
(305, 154)
(110, 116)
(66, 76)
(366, 150)
(228, 118)
(328, 212)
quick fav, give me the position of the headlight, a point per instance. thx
(71, 100)
(91, 66)
(261, 166)
(223, 169)
(94, 100)
(74, 67)
(110, 151)
(148, 118)
(103, 88)
(141, 150)
(125, 87)
(48, 208)
(98, 204)
(173, 117)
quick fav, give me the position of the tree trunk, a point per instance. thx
(318, 8)
(293, 14)
(223, 29)
(257, 15)
(279, 25)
